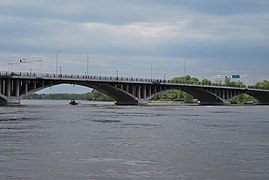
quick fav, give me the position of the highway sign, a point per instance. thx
(235, 76)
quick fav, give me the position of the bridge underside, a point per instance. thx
(120, 96)
(262, 97)
(124, 93)
(205, 97)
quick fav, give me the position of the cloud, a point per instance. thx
(206, 33)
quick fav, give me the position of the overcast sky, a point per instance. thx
(211, 36)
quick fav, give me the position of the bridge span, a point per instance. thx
(125, 91)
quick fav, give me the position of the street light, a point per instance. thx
(57, 53)
(60, 69)
(164, 76)
(253, 74)
(184, 71)
(88, 62)
(151, 68)
(117, 74)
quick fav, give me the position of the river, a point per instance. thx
(45, 139)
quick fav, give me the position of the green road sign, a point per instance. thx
(235, 76)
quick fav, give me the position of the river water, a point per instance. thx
(55, 140)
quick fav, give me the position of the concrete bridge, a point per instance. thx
(125, 91)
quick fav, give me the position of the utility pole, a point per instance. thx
(184, 75)
(151, 63)
(88, 57)
(57, 53)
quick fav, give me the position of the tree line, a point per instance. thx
(94, 95)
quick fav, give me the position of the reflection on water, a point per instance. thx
(107, 121)
(53, 140)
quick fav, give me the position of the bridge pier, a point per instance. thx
(7, 95)
(209, 103)
(13, 101)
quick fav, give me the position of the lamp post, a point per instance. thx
(184, 71)
(252, 71)
(88, 57)
(164, 76)
(60, 69)
(151, 68)
(57, 53)
(117, 74)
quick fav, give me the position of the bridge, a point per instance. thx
(125, 91)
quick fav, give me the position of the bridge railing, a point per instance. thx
(113, 78)
(73, 76)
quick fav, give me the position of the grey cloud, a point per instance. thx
(204, 32)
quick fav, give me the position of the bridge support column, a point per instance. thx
(26, 88)
(8, 88)
(133, 92)
(144, 92)
(139, 92)
(0, 86)
(4, 87)
(34, 84)
(127, 88)
(18, 89)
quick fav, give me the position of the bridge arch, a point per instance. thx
(261, 96)
(120, 96)
(205, 97)
(233, 99)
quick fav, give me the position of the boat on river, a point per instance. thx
(73, 102)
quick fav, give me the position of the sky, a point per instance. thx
(211, 37)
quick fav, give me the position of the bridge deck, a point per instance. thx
(86, 78)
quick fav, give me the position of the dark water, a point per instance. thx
(54, 140)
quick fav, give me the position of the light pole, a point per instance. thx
(184, 71)
(60, 69)
(252, 71)
(164, 76)
(57, 53)
(88, 57)
(151, 68)
(117, 74)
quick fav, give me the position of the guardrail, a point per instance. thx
(113, 78)
(72, 76)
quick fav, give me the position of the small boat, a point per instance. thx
(73, 102)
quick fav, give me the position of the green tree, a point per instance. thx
(91, 96)
(236, 84)
(263, 85)
(243, 99)
(206, 82)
